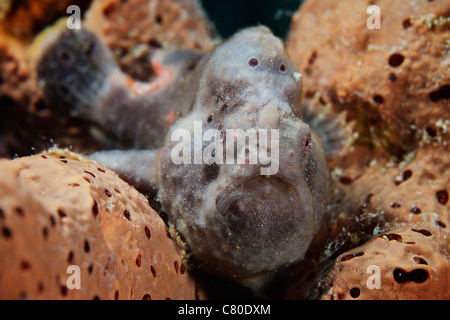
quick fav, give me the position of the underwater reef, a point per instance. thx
(31, 123)
(391, 195)
(382, 95)
(69, 211)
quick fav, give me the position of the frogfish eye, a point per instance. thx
(253, 62)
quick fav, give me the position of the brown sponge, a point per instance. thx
(132, 29)
(59, 209)
(387, 78)
(25, 18)
(403, 210)
(390, 203)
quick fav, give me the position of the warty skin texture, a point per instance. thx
(233, 220)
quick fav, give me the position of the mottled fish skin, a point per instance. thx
(234, 221)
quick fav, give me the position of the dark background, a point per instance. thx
(231, 15)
